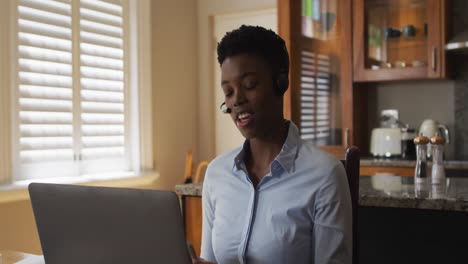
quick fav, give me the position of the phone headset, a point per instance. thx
(281, 78)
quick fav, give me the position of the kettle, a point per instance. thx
(430, 128)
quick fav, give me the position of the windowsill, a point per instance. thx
(18, 191)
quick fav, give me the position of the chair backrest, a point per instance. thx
(351, 164)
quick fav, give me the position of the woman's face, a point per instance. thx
(247, 84)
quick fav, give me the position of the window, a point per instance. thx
(75, 107)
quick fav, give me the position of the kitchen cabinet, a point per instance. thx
(399, 39)
(320, 99)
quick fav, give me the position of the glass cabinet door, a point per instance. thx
(396, 34)
(397, 39)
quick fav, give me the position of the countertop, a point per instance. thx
(448, 164)
(396, 192)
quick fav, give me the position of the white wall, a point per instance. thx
(206, 45)
(175, 86)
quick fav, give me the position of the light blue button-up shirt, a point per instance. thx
(299, 213)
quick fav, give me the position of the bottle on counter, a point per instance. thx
(420, 171)
(408, 148)
(438, 170)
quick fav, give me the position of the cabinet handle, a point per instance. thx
(433, 62)
(346, 143)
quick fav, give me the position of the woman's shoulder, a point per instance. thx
(226, 158)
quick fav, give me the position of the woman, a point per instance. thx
(276, 199)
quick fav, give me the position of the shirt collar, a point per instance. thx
(285, 158)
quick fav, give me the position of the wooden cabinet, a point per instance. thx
(320, 99)
(399, 39)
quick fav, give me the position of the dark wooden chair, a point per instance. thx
(351, 164)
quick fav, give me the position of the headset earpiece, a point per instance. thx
(282, 83)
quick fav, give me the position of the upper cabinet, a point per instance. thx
(320, 98)
(398, 39)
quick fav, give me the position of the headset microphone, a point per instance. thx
(225, 109)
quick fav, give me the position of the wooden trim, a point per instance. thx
(445, 32)
(401, 171)
(434, 41)
(346, 73)
(358, 40)
(141, 19)
(284, 31)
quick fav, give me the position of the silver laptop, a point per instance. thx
(100, 225)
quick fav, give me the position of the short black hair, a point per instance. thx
(258, 41)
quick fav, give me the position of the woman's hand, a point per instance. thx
(201, 261)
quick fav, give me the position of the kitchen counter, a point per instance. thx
(449, 164)
(394, 192)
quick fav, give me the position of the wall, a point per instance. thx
(175, 83)
(206, 48)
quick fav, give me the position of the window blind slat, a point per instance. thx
(101, 85)
(39, 143)
(101, 40)
(63, 7)
(103, 74)
(45, 67)
(44, 29)
(49, 18)
(27, 39)
(89, 118)
(102, 108)
(101, 6)
(44, 54)
(31, 91)
(99, 28)
(101, 130)
(101, 51)
(44, 105)
(27, 117)
(100, 62)
(100, 17)
(44, 79)
(40, 130)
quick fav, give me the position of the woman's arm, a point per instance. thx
(332, 233)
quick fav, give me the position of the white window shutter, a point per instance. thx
(102, 86)
(71, 123)
(45, 89)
